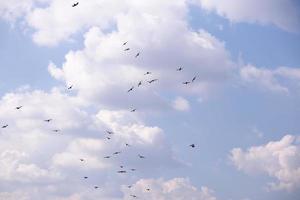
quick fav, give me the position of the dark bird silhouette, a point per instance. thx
(56, 130)
(117, 152)
(127, 49)
(108, 138)
(96, 187)
(85, 177)
(48, 120)
(127, 145)
(134, 196)
(75, 4)
(122, 171)
(153, 80)
(107, 157)
(137, 55)
(140, 83)
(192, 145)
(147, 73)
(148, 189)
(122, 166)
(185, 83)
(130, 89)
(140, 156)
(133, 110)
(110, 132)
(194, 78)
(125, 43)
(129, 186)
(70, 87)
(179, 69)
(81, 159)
(5, 126)
(133, 170)
(19, 107)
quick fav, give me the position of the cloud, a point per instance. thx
(181, 104)
(176, 189)
(278, 159)
(283, 14)
(276, 80)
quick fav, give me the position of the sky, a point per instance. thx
(241, 112)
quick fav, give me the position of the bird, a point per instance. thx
(122, 172)
(107, 157)
(85, 177)
(185, 83)
(148, 189)
(125, 43)
(48, 120)
(129, 186)
(75, 4)
(137, 55)
(127, 49)
(117, 152)
(133, 110)
(5, 126)
(122, 166)
(70, 87)
(55, 130)
(140, 83)
(141, 156)
(127, 145)
(19, 107)
(108, 138)
(134, 196)
(153, 80)
(133, 170)
(110, 132)
(130, 89)
(81, 159)
(179, 69)
(194, 78)
(192, 145)
(147, 73)
(96, 187)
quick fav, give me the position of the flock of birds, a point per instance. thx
(110, 133)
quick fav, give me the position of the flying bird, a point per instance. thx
(133, 170)
(147, 73)
(107, 157)
(130, 89)
(48, 120)
(192, 145)
(110, 132)
(185, 83)
(96, 187)
(129, 186)
(81, 159)
(70, 87)
(137, 55)
(148, 189)
(179, 69)
(122, 171)
(117, 152)
(127, 145)
(140, 83)
(133, 110)
(194, 79)
(122, 166)
(85, 177)
(108, 138)
(127, 49)
(141, 156)
(19, 107)
(55, 130)
(133, 196)
(125, 43)
(153, 80)
(75, 4)
(5, 126)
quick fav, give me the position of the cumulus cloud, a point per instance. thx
(276, 80)
(283, 14)
(177, 189)
(278, 159)
(181, 104)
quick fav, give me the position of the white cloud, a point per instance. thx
(276, 80)
(175, 189)
(181, 104)
(283, 14)
(278, 159)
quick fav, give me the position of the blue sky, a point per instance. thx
(241, 112)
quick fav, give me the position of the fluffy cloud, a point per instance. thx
(181, 104)
(278, 159)
(283, 14)
(277, 80)
(177, 189)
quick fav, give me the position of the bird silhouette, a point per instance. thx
(140, 156)
(117, 152)
(70, 87)
(192, 145)
(110, 132)
(125, 43)
(137, 55)
(194, 78)
(96, 187)
(147, 73)
(122, 166)
(127, 49)
(127, 145)
(56, 130)
(5, 126)
(153, 80)
(122, 171)
(75, 4)
(140, 83)
(108, 138)
(85, 177)
(133, 170)
(134, 196)
(148, 189)
(179, 69)
(19, 107)
(130, 89)
(81, 159)
(133, 110)
(185, 83)
(48, 120)
(129, 186)
(107, 157)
